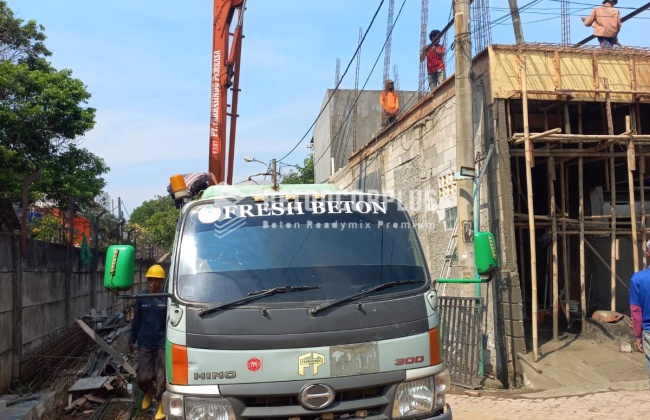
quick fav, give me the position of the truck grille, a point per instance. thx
(352, 401)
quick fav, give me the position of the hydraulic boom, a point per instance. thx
(225, 77)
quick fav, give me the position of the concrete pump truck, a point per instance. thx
(292, 301)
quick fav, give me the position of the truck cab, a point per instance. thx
(305, 302)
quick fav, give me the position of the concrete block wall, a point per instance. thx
(6, 313)
(41, 277)
(507, 287)
(420, 160)
(333, 131)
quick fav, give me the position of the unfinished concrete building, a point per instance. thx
(560, 132)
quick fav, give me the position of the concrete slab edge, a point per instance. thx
(641, 385)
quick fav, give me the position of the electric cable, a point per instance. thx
(362, 88)
(338, 84)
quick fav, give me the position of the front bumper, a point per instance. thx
(445, 416)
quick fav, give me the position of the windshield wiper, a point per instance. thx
(258, 294)
(319, 308)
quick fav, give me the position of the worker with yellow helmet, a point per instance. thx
(148, 333)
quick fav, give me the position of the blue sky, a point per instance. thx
(147, 65)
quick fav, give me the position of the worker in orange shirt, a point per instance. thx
(389, 102)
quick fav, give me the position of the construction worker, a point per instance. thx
(640, 310)
(389, 102)
(434, 53)
(606, 20)
(195, 182)
(148, 332)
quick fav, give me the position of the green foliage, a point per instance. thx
(40, 109)
(157, 220)
(42, 113)
(73, 173)
(141, 214)
(20, 41)
(303, 175)
(48, 229)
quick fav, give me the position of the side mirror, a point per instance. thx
(485, 254)
(119, 269)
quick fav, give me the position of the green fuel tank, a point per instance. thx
(119, 269)
(485, 253)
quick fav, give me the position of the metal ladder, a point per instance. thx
(451, 252)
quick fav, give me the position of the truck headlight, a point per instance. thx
(421, 396)
(173, 405)
(208, 409)
(179, 407)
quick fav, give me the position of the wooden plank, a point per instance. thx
(103, 344)
(524, 359)
(531, 210)
(554, 256)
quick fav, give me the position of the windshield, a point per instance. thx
(229, 249)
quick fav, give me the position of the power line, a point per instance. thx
(362, 89)
(337, 86)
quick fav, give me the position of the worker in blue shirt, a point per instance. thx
(148, 333)
(640, 310)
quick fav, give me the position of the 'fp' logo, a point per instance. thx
(310, 359)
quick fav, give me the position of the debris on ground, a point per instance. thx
(86, 365)
(598, 331)
(607, 316)
(625, 347)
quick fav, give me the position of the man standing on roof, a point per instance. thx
(148, 332)
(434, 53)
(606, 20)
(389, 102)
(195, 182)
(640, 310)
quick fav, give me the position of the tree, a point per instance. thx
(74, 174)
(42, 112)
(158, 218)
(303, 175)
(20, 41)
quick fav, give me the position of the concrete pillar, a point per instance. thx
(464, 137)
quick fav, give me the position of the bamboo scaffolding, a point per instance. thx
(589, 232)
(550, 137)
(569, 92)
(531, 209)
(612, 189)
(643, 219)
(581, 216)
(571, 153)
(631, 165)
(571, 161)
(554, 264)
(546, 218)
(601, 259)
(637, 127)
(521, 139)
(565, 248)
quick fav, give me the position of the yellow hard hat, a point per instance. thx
(156, 272)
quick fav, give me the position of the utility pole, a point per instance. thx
(516, 21)
(274, 173)
(464, 136)
(119, 220)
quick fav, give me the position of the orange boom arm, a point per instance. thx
(225, 75)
